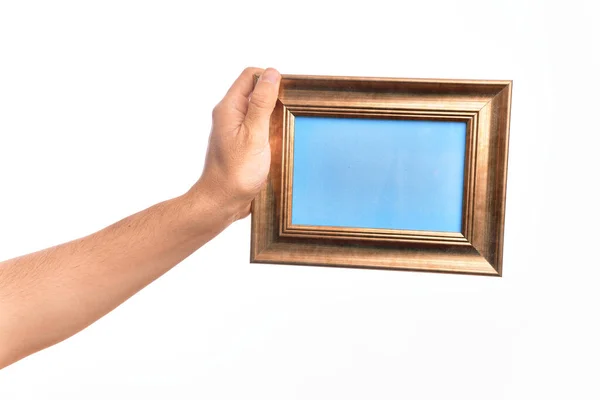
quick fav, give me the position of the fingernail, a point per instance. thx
(270, 75)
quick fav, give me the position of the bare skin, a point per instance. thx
(48, 296)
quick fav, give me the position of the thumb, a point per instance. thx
(261, 105)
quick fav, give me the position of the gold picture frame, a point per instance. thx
(484, 105)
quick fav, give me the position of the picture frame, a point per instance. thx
(475, 247)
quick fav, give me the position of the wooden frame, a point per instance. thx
(483, 105)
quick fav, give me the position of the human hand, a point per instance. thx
(104, 269)
(238, 158)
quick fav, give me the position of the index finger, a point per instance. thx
(244, 84)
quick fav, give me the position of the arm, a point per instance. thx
(48, 296)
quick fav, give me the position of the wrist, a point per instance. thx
(208, 201)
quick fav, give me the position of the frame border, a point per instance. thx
(483, 105)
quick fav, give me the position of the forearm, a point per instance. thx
(48, 296)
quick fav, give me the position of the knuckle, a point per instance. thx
(250, 70)
(216, 110)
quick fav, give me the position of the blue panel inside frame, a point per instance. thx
(378, 173)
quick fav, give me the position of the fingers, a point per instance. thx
(244, 84)
(261, 105)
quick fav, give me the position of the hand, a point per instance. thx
(238, 158)
(104, 269)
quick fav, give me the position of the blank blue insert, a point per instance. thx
(376, 173)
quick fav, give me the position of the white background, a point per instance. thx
(105, 109)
